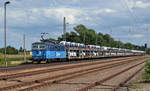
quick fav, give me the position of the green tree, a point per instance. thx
(9, 50)
(82, 33)
(21, 49)
(129, 46)
(51, 39)
(100, 40)
(1, 59)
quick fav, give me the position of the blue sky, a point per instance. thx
(127, 20)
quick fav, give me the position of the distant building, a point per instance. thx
(30, 53)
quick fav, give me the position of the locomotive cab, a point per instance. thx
(43, 52)
(38, 51)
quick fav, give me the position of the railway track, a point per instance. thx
(41, 82)
(54, 63)
(24, 74)
(122, 84)
(111, 77)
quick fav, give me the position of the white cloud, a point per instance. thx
(28, 16)
(141, 4)
(107, 10)
(136, 36)
(42, 16)
(70, 13)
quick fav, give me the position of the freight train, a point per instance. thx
(46, 51)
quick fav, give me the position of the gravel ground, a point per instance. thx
(116, 80)
(79, 82)
(71, 85)
(29, 78)
(35, 77)
(136, 83)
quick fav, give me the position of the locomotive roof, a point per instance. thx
(49, 42)
(38, 43)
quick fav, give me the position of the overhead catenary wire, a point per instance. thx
(53, 3)
(135, 17)
(124, 3)
(145, 26)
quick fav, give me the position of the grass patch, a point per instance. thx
(18, 59)
(147, 54)
(143, 80)
(146, 74)
(13, 58)
(17, 56)
(135, 86)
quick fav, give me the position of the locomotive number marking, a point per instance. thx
(57, 54)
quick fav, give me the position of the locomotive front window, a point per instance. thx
(35, 46)
(42, 46)
(38, 46)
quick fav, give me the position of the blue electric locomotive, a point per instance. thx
(43, 52)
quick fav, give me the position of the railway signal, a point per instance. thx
(145, 45)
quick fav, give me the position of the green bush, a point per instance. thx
(1, 59)
(1, 56)
(146, 75)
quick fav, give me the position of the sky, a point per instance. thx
(125, 20)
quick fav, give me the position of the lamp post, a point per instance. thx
(64, 28)
(5, 4)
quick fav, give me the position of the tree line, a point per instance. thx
(11, 50)
(89, 37)
(82, 34)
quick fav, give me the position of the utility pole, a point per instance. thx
(84, 36)
(119, 43)
(5, 4)
(96, 37)
(24, 38)
(64, 29)
(109, 39)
